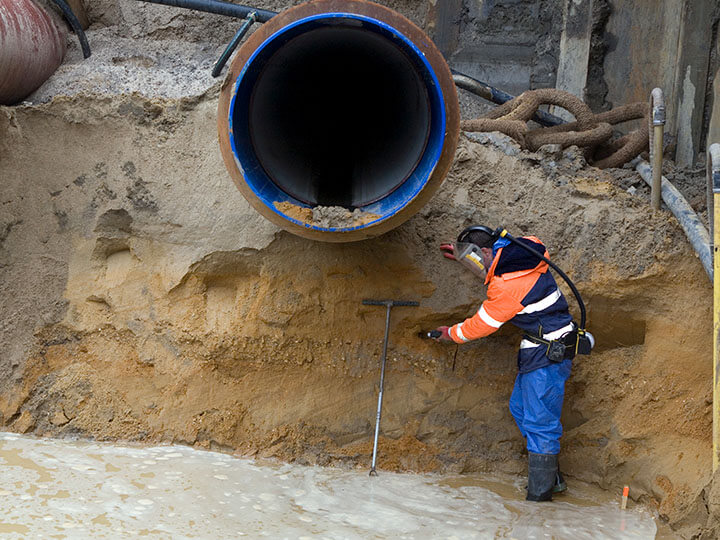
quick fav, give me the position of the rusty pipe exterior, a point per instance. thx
(31, 49)
(343, 104)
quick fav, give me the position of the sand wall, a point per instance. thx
(146, 301)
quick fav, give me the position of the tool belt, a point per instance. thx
(566, 347)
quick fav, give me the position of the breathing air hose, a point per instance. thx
(502, 233)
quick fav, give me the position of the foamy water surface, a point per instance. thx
(65, 489)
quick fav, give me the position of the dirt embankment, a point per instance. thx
(150, 303)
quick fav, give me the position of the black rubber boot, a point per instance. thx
(560, 484)
(542, 473)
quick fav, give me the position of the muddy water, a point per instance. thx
(63, 489)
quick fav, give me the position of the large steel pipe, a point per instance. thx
(338, 103)
(31, 49)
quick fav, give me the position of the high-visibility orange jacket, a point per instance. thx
(520, 290)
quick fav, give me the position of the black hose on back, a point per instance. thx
(502, 233)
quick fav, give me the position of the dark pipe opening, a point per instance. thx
(338, 115)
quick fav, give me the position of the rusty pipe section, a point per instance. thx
(31, 49)
(343, 104)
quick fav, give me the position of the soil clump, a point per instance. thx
(327, 216)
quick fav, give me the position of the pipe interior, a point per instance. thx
(339, 116)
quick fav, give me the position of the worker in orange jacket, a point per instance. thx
(520, 290)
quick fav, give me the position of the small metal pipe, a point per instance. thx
(227, 53)
(499, 97)
(219, 8)
(657, 106)
(480, 88)
(713, 177)
(689, 221)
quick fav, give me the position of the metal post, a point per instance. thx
(657, 104)
(714, 176)
(712, 169)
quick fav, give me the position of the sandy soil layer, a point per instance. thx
(150, 303)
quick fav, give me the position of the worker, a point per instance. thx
(522, 291)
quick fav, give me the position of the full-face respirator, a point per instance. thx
(467, 248)
(470, 257)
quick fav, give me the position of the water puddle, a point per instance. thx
(63, 489)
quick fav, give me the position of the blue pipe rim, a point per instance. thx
(400, 197)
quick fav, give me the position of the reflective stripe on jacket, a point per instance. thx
(520, 290)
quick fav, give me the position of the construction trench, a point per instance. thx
(146, 301)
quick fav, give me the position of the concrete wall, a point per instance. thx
(663, 44)
(609, 52)
(510, 44)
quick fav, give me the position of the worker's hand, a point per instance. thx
(444, 333)
(448, 251)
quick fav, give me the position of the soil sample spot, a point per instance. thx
(118, 267)
(220, 306)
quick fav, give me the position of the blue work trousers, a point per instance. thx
(536, 403)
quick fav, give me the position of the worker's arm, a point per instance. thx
(499, 308)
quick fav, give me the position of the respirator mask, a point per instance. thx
(467, 251)
(470, 257)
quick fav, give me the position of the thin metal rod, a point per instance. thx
(373, 472)
(714, 167)
(227, 53)
(219, 8)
